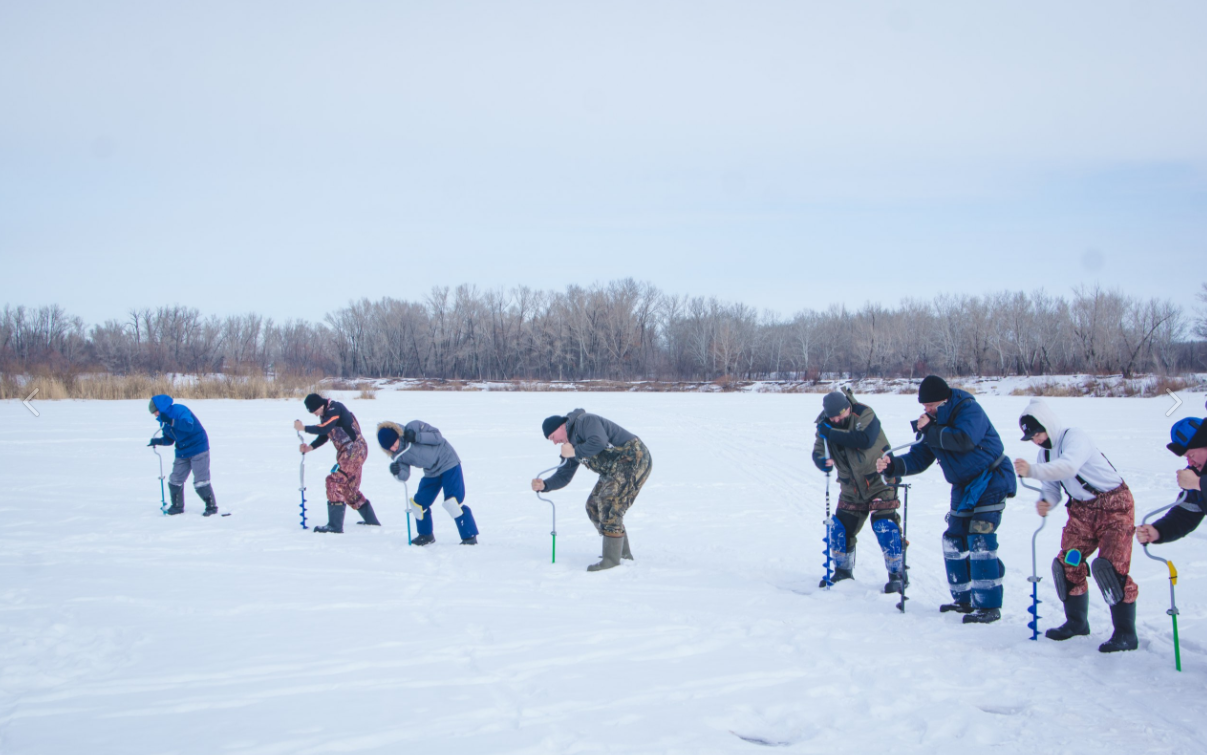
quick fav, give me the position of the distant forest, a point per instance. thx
(626, 330)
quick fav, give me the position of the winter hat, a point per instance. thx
(1187, 434)
(314, 401)
(551, 424)
(387, 437)
(1030, 427)
(152, 407)
(933, 388)
(834, 403)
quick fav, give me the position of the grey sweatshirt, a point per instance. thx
(589, 434)
(430, 451)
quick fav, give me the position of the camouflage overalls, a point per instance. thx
(1106, 523)
(622, 471)
(343, 484)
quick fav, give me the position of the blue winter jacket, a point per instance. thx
(180, 428)
(966, 445)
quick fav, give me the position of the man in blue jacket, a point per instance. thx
(956, 432)
(182, 429)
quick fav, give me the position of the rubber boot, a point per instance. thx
(207, 494)
(839, 575)
(983, 616)
(335, 518)
(1123, 615)
(897, 582)
(1076, 625)
(367, 515)
(176, 493)
(625, 553)
(957, 607)
(612, 547)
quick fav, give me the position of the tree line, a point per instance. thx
(627, 330)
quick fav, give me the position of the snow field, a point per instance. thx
(123, 631)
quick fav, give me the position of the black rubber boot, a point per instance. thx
(335, 518)
(957, 607)
(612, 546)
(1123, 615)
(176, 494)
(983, 616)
(367, 515)
(839, 575)
(897, 582)
(206, 494)
(1076, 625)
(423, 540)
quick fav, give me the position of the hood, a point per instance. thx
(162, 402)
(572, 416)
(1039, 409)
(396, 428)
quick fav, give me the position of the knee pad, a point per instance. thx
(888, 534)
(838, 545)
(415, 509)
(1108, 581)
(453, 507)
(1059, 581)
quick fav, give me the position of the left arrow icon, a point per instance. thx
(30, 406)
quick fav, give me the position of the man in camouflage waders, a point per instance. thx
(619, 458)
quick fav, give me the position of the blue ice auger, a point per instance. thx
(1034, 579)
(1173, 580)
(302, 481)
(406, 491)
(163, 501)
(553, 534)
(828, 521)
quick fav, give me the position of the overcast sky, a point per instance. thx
(287, 157)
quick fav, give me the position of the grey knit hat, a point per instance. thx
(834, 403)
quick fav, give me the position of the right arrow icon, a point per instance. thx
(1176, 402)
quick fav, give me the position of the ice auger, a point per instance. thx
(302, 482)
(553, 533)
(1173, 580)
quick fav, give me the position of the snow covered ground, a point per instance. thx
(123, 631)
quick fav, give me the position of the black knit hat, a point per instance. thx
(1030, 427)
(387, 437)
(314, 401)
(551, 424)
(933, 388)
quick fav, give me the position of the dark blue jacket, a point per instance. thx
(1181, 520)
(964, 442)
(180, 428)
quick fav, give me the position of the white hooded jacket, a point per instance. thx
(1073, 455)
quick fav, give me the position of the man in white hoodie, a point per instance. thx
(1102, 516)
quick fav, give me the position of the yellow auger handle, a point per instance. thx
(1173, 573)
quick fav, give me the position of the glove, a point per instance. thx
(823, 429)
(155, 442)
(395, 467)
(408, 435)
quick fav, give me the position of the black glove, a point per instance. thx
(395, 467)
(408, 435)
(155, 441)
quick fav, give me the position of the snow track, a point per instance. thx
(124, 631)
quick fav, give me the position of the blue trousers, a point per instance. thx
(453, 484)
(974, 572)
